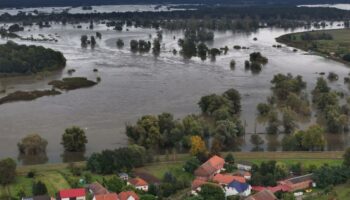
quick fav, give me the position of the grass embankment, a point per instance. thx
(54, 175)
(334, 48)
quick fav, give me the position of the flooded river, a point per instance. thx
(134, 85)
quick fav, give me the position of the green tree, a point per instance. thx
(148, 197)
(32, 145)
(288, 120)
(346, 157)
(191, 165)
(114, 184)
(7, 171)
(230, 158)
(211, 192)
(39, 188)
(314, 138)
(120, 43)
(74, 139)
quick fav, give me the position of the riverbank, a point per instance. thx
(332, 44)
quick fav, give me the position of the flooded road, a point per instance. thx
(134, 85)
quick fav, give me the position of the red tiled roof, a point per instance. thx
(110, 196)
(138, 182)
(284, 188)
(262, 195)
(126, 195)
(79, 192)
(210, 166)
(197, 183)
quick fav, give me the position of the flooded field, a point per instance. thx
(137, 84)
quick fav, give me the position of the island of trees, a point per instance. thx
(22, 59)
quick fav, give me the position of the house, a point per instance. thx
(139, 183)
(109, 196)
(97, 189)
(123, 176)
(72, 194)
(262, 195)
(297, 183)
(41, 197)
(211, 167)
(225, 179)
(244, 165)
(247, 175)
(128, 195)
(195, 186)
(238, 188)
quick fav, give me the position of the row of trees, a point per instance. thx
(119, 160)
(142, 46)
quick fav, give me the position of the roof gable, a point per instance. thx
(127, 194)
(138, 182)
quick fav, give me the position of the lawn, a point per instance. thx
(339, 192)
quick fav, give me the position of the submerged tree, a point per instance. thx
(32, 145)
(74, 139)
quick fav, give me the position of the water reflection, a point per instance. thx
(32, 159)
(73, 156)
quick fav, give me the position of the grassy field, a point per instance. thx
(53, 175)
(339, 192)
(334, 49)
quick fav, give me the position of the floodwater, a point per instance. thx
(339, 6)
(95, 9)
(137, 84)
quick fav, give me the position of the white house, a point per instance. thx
(139, 184)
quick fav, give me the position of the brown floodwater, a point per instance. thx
(134, 85)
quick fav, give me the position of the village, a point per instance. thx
(212, 172)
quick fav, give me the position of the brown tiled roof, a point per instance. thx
(138, 182)
(97, 188)
(110, 196)
(210, 166)
(262, 195)
(127, 194)
(197, 183)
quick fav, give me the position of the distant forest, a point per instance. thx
(38, 3)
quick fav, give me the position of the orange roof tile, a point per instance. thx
(210, 166)
(110, 196)
(127, 194)
(138, 182)
(197, 183)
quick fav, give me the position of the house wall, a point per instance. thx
(144, 188)
(244, 167)
(301, 186)
(78, 198)
(229, 191)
